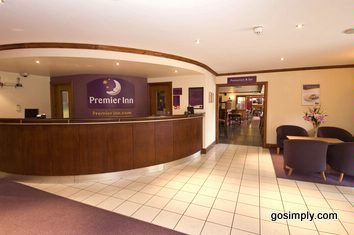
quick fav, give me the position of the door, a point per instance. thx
(160, 98)
(61, 97)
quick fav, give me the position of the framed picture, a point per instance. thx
(311, 94)
(196, 97)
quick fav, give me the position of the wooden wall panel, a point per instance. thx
(164, 142)
(64, 142)
(11, 149)
(120, 148)
(144, 144)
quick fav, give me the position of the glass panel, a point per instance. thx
(160, 102)
(241, 102)
(65, 103)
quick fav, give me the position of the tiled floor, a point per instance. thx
(230, 190)
(245, 134)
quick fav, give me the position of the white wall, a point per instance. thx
(185, 82)
(284, 98)
(35, 93)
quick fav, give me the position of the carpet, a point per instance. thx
(332, 175)
(25, 210)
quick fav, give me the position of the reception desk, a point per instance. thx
(77, 147)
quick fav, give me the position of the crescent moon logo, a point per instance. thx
(116, 89)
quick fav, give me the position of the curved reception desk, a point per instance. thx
(65, 147)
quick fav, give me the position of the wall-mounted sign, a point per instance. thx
(106, 93)
(177, 91)
(244, 79)
(311, 94)
(196, 97)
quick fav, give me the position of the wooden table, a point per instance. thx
(327, 140)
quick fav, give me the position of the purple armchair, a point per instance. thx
(305, 156)
(335, 132)
(341, 158)
(283, 131)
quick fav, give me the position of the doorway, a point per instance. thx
(241, 113)
(160, 98)
(61, 99)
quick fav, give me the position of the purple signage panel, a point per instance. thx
(177, 91)
(108, 93)
(244, 79)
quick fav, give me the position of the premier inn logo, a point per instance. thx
(110, 93)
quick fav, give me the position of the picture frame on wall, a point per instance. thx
(196, 97)
(311, 94)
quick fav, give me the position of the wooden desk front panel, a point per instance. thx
(88, 149)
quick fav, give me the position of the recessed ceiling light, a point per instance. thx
(37, 62)
(197, 41)
(176, 71)
(17, 30)
(300, 26)
(117, 63)
(282, 58)
(2, 1)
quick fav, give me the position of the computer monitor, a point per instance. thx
(190, 110)
(31, 113)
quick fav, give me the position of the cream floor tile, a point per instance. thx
(146, 179)
(159, 182)
(289, 189)
(192, 188)
(248, 199)
(81, 195)
(271, 228)
(122, 183)
(196, 211)
(240, 232)
(196, 180)
(345, 216)
(174, 184)
(341, 205)
(212, 229)
(55, 188)
(110, 190)
(230, 187)
(248, 210)
(249, 190)
(227, 195)
(302, 224)
(346, 190)
(270, 215)
(184, 196)
(124, 194)
(203, 200)
(136, 186)
(349, 197)
(110, 203)
(349, 227)
(151, 189)
(127, 208)
(306, 185)
(176, 206)
(220, 217)
(95, 199)
(294, 207)
(327, 188)
(334, 196)
(312, 201)
(293, 198)
(157, 202)
(212, 184)
(167, 192)
(167, 219)
(302, 231)
(189, 225)
(311, 193)
(211, 192)
(96, 187)
(68, 191)
(140, 198)
(275, 195)
(271, 204)
(146, 213)
(330, 226)
(224, 205)
(246, 223)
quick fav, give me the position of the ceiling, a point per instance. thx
(224, 29)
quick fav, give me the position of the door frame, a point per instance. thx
(265, 108)
(169, 84)
(53, 103)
